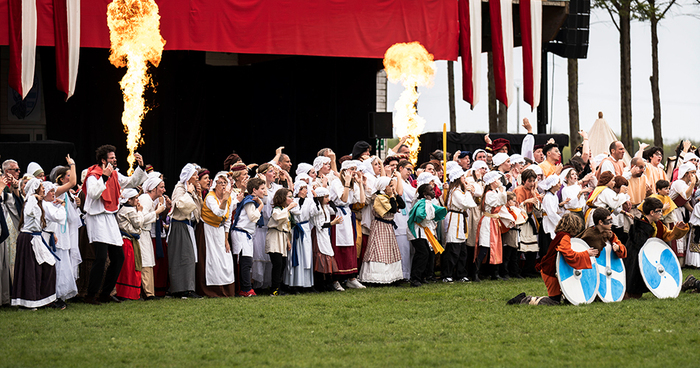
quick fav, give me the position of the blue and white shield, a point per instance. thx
(578, 286)
(660, 269)
(611, 272)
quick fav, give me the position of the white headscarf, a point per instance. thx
(348, 164)
(456, 174)
(303, 168)
(33, 169)
(690, 156)
(381, 183)
(127, 194)
(499, 159)
(537, 169)
(685, 168)
(476, 153)
(491, 176)
(31, 186)
(298, 186)
(322, 192)
(187, 173)
(425, 178)
(320, 161)
(517, 159)
(452, 165)
(154, 174)
(562, 176)
(220, 174)
(151, 183)
(48, 186)
(301, 178)
(366, 165)
(548, 183)
(478, 164)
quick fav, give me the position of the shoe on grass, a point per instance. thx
(464, 279)
(518, 298)
(337, 287)
(689, 283)
(415, 283)
(246, 294)
(448, 280)
(354, 284)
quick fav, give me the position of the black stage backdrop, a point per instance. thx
(201, 113)
(472, 141)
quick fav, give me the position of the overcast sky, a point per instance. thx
(599, 82)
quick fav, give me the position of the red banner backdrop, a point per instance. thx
(345, 28)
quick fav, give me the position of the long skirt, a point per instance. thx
(345, 257)
(323, 263)
(181, 258)
(34, 284)
(406, 254)
(161, 280)
(202, 288)
(4, 273)
(382, 261)
(66, 286)
(262, 267)
(692, 257)
(301, 275)
(129, 281)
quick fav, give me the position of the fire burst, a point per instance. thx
(412, 65)
(134, 32)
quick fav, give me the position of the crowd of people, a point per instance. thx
(99, 236)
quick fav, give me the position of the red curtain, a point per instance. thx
(348, 28)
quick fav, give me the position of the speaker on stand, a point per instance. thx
(380, 128)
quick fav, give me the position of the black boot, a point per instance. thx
(477, 266)
(494, 275)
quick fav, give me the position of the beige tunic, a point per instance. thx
(278, 229)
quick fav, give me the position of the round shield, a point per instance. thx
(578, 286)
(660, 269)
(611, 272)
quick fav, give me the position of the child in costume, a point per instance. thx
(422, 222)
(569, 225)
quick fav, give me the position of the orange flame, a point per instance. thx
(134, 33)
(412, 65)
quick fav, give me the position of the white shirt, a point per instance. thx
(458, 204)
(101, 224)
(551, 217)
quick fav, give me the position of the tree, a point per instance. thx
(654, 11)
(572, 71)
(623, 10)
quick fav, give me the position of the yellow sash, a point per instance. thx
(591, 199)
(437, 247)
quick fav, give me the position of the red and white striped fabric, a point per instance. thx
(531, 34)
(470, 49)
(66, 16)
(501, 13)
(22, 22)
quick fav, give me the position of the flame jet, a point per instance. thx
(412, 65)
(134, 33)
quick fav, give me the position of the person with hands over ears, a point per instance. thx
(182, 246)
(215, 269)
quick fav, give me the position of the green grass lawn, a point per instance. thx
(435, 325)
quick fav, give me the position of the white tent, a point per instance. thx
(600, 136)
